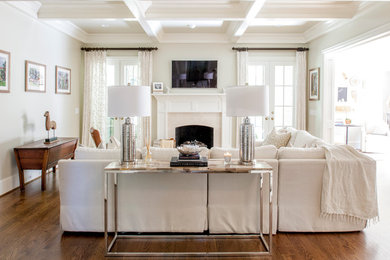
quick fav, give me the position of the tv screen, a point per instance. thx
(194, 74)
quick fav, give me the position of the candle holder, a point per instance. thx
(227, 157)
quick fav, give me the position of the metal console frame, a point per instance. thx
(109, 245)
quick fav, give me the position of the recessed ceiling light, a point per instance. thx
(192, 26)
(105, 25)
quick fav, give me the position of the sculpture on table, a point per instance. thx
(50, 125)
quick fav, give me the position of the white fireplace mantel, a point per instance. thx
(180, 109)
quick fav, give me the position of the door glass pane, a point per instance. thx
(288, 75)
(251, 74)
(110, 75)
(278, 96)
(288, 96)
(288, 116)
(256, 75)
(130, 74)
(259, 75)
(278, 116)
(279, 75)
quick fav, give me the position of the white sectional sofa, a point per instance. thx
(179, 203)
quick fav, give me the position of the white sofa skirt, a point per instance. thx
(234, 202)
(300, 185)
(158, 203)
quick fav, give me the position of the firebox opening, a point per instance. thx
(200, 133)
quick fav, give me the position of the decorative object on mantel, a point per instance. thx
(5, 61)
(314, 84)
(35, 77)
(158, 87)
(128, 101)
(167, 143)
(50, 125)
(245, 102)
(63, 80)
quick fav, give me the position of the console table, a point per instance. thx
(214, 167)
(41, 156)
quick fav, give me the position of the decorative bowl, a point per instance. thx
(188, 149)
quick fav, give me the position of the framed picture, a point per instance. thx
(35, 77)
(63, 77)
(158, 87)
(314, 84)
(5, 61)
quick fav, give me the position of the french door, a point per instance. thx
(279, 76)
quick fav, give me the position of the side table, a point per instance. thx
(41, 156)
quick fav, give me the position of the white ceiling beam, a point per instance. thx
(84, 10)
(236, 30)
(152, 28)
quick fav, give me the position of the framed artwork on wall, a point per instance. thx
(63, 78)
(35, 77)
(5, 61)
(314, 84)
(158, 87)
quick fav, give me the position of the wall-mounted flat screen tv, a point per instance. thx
(194, 74)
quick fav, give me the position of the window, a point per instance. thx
(121, 71)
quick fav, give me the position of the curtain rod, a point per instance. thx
(269, 49)
(120, 49)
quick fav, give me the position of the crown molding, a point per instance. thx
(68, 28)
(195, 38)
(118, 38)
(272, 38)
(320, 29)
(377, 33)
(30, 8)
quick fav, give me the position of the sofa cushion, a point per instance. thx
(277, 138)
(165, 154)
(261, 152)
(301, 153)
(88, 153)
(304, 139)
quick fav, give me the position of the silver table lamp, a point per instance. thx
(244, 102)
(128, 101)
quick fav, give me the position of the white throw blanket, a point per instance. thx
(349, 185)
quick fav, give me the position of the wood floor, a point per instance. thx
(30, 229)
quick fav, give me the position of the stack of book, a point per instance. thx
(194, 160)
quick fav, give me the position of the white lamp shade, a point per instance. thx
(127, 101)
(247, 101)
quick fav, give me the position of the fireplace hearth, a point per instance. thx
(200, 133)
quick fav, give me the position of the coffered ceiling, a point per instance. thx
(195, 21)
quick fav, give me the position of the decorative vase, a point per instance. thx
(347, 121)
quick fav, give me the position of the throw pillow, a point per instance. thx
(277, 139)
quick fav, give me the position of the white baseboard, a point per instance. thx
(12, 181)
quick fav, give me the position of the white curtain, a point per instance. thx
(242, 70)
(95, 96)
(145, 59)
(300, 86)
(242, 67)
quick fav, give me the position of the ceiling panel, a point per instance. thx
(298, 28)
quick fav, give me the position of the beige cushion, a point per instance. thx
(165, 154)
(304, 139)
(88, 153)
(301, 153)
(217, 152)
(262, 152)
(277, 139)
